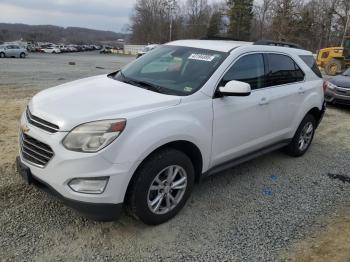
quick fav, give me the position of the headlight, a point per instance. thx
(92, 137)
(331, 86)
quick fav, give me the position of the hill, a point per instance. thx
(55, 34)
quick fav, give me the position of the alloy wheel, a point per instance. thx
(305, 136)
(167, 189)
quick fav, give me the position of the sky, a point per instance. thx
(111, 15)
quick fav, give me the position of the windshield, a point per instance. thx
(173, 70)
(347, 72)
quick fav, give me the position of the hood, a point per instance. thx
(95, 98)
(341, 81)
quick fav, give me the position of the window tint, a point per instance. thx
(282, 70)
(249, 69)
(310, 61)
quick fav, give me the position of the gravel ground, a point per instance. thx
(268, 209)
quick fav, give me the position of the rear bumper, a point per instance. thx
(95, 211)
(323, 111)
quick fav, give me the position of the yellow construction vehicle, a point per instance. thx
(334, 59)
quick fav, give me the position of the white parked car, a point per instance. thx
(51, 50)
(142, 136)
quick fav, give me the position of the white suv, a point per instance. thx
(188, 109)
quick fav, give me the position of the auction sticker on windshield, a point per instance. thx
(202, 57)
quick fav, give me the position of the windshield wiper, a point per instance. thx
(149, 86)
(143, 84)
(146, 85)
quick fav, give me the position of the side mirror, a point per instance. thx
(235, 88)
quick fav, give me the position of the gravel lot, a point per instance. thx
(274, 208)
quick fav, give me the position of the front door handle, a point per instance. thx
(264, 101)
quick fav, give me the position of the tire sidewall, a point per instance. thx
(146, 176)
(295, 143)
(2, 55)
(22, 55)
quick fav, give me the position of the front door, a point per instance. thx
(242, 124)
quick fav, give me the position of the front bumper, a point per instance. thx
(338, 96)
(95, 211)
(66, 165)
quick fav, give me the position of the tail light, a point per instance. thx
(325, 86)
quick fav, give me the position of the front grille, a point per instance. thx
(34, 151)
(342, 101)
(41, 123)
(343, 91)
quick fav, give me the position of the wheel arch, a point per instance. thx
(187, 147)
(316, 113)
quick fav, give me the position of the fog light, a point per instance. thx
(95, 185)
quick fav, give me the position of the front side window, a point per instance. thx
(282, 70)
(173, 70)
(249, 69)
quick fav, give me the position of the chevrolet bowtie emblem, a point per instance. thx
(24, 128)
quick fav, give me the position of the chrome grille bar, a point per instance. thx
(41, 123)
(34, 151)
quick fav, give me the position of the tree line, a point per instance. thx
(313, 24)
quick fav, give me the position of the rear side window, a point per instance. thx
(249, 69)
(282, 70)
(310, 61)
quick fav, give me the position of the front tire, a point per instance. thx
(22, 55)
(161, 187)
(303, 137)
(2, 55)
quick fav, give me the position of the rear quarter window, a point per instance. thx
(310, 61)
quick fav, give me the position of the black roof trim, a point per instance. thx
(276, 43)
(218, 38)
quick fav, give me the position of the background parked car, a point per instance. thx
(338, 91)
(12, 51)
(51, 50)
(106, 50)
(145, 50)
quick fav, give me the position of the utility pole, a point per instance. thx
(345, 30)
(171, 4)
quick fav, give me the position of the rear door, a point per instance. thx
(286, 81)
(242, 124)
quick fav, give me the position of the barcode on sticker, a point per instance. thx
(202, 57)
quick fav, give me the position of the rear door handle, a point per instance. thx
(264, 101)
(301, 90)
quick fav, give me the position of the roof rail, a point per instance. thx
(218, 38)
(276, 43)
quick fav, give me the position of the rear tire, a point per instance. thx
(333, 67)
(166, 176)
(303, 137)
